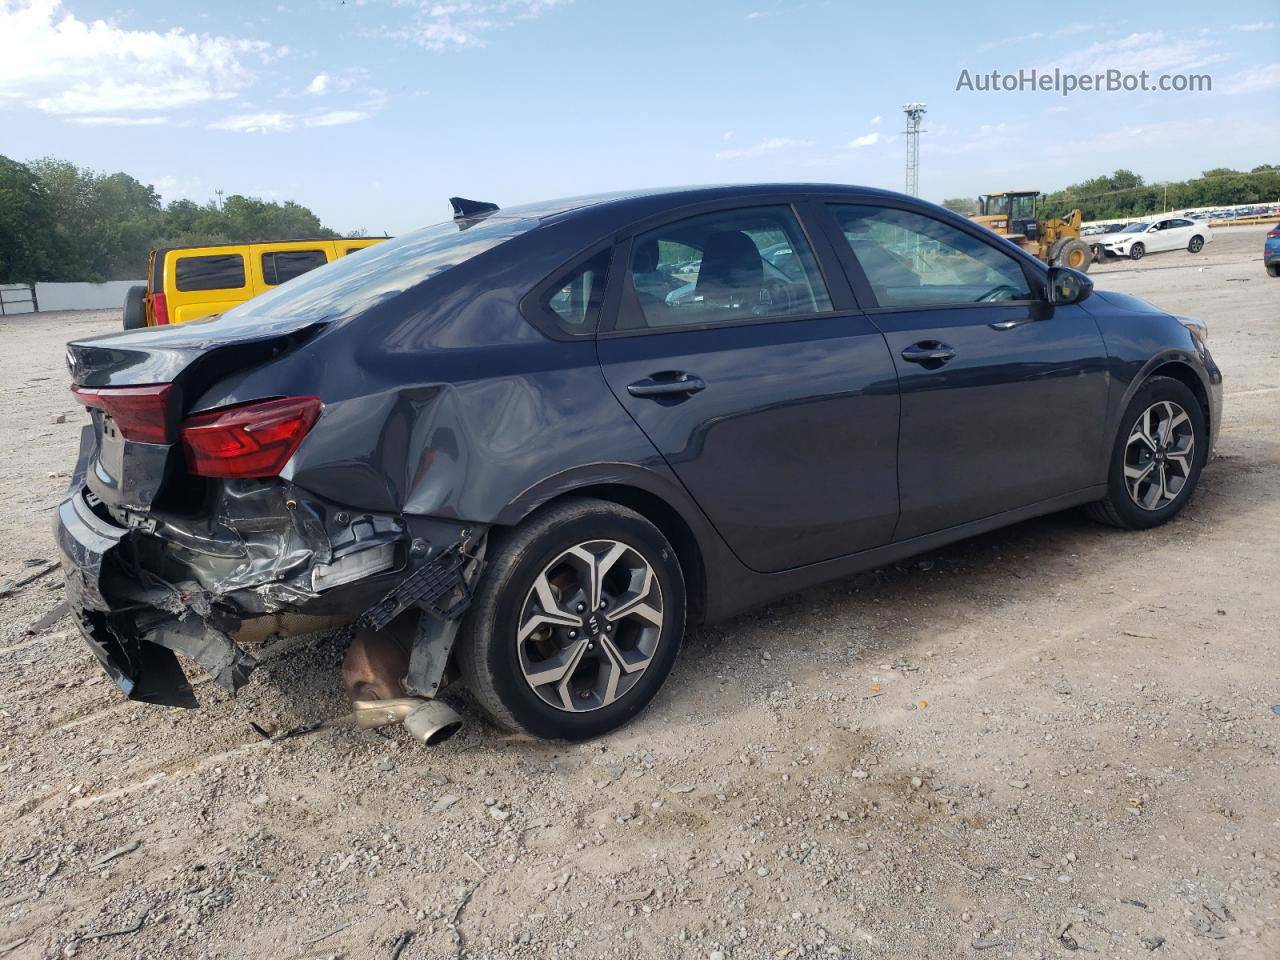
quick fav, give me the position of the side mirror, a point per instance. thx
(1152, 229)
(1068, 286)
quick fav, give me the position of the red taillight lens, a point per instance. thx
(139, 413)
(159, 309)
(1274, 232)
(253, 440)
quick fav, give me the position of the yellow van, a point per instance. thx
(187, 283)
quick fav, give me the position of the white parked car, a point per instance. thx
(1154, 236)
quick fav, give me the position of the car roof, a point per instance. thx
(639, 203)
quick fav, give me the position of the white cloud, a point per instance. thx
(1253, 27)
(727, 135)
(319, 85)
(866, 140)
(1151, 51)
(281, 122)
(334, 118)
(875, 121)
(1253, 80)
(757, 14)
(442, 25)
(255, 123)
(60, 64)
(772, 145)
(118, 121)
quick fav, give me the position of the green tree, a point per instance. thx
(966, 206)
(25, 224)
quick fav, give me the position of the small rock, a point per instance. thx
(498, 813)
(1153, 943)
(444, 803)
(259, 799)
(1019, 784)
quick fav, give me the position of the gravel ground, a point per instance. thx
(1052, 738)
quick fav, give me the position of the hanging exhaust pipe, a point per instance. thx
(430, 721)
(371, 678)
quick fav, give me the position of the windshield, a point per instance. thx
(1135, 228)
(360, 280)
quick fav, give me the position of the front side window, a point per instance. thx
(734, 265)
(912, 260)
(282, 265)
(224, 271)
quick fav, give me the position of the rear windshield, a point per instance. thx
(352, 284)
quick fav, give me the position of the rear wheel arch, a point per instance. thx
(668, 519)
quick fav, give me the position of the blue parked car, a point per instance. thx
(1271, 252)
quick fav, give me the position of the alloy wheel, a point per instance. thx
(1159, 454)
(590, 625)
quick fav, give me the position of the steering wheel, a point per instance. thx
(996, 294)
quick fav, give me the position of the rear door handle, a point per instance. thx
(666, 384)
(928, 351)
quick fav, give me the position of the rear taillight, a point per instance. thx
(252, 440)
(159, 309)
(1274, 232)
(139, 413)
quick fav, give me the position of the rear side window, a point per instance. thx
(282, 265)
(912, 260)
(570, 303)
(223, 271)
(747, 264)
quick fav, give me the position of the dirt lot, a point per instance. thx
(1053, 738)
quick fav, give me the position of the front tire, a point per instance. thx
(1137, 251)
(576, 622)
(1157, 458)
(1196, 244)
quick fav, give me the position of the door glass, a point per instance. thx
(282, 265)
(912, 260)
(220, 272)
(733, 265)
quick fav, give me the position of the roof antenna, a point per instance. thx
(464, 209)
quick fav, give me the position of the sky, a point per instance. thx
(373, 112)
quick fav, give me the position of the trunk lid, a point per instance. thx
(137, 387)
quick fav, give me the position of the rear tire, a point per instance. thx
(1137, 251)
(1273, 269)
(577, 673)
(1196, 244)
(135, 309)
(1170, 460)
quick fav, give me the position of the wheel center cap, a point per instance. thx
(593, 624)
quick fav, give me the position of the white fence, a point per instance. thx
(84, 296)
(22, 298)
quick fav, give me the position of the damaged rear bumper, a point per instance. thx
(142, 593)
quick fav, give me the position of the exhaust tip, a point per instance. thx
(433, 722)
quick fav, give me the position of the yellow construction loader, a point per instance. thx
(1012, 214)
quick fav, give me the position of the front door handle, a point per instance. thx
(666, 384)
(928, 351)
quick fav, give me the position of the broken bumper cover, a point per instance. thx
(139, 598)
(143, 668)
